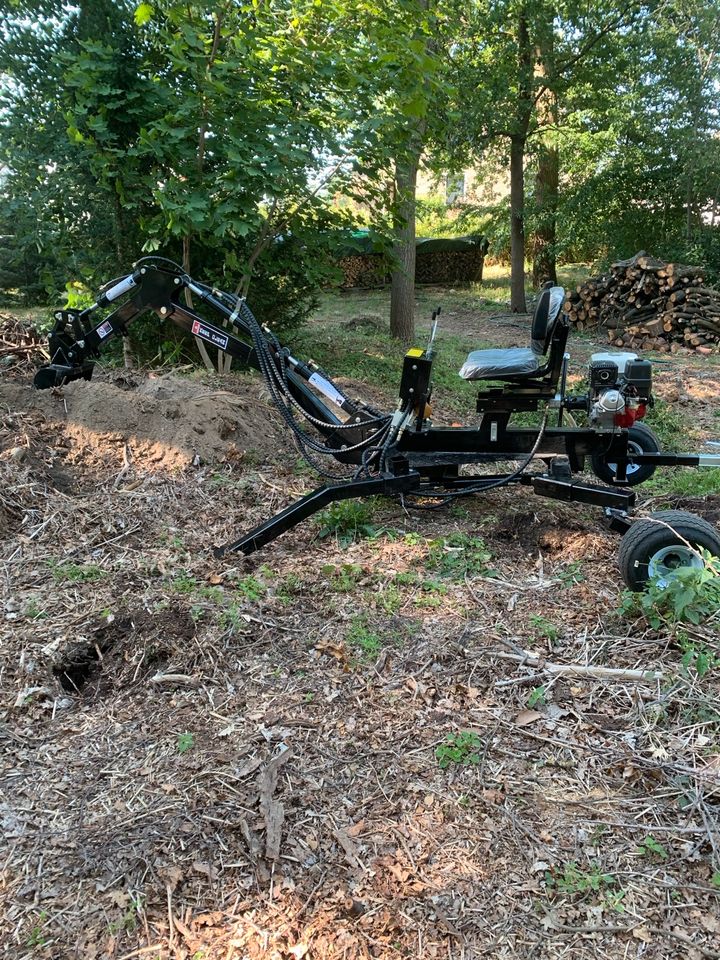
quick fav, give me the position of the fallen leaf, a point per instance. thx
(526, 717)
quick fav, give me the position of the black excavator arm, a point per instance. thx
(78, 337)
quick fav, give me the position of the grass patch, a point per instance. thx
(684, 482)
(365, 641)
(76, 572)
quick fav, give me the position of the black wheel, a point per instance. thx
(641, 439)
(653, 550)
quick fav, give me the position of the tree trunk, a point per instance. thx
(547, 176)
(546, 197)
(402, 290)
(517, 224)
(518, 140)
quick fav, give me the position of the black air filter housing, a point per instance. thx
(638, 374)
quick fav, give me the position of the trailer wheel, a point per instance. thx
(641, 439)
(654, 550)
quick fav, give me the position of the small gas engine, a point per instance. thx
(620, 390)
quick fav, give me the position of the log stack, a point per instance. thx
(647, 304)
(437, 260)
(20, 342)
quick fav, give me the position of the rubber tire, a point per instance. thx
(645, 538)
(646, 440)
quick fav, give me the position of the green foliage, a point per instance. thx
(36, 937)
(461, 748)
(670, 425)
(537, 697)
(436, 219)
(185, 742)
(458, 556)
(75, 572)
(691, 595)
(684, 482)
(575, 881)
(571, 573)
(348, 521)
(697, 660)
(343, 579)
(364, 639)
(650, 847)
(33, 611)
(544, 627)
(250, 588)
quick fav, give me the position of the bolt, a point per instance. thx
(177, 280)
(143, 271)
(163, 310)
(414, 366)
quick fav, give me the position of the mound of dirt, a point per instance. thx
(167, 422)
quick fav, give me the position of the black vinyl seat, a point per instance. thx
(520, 363)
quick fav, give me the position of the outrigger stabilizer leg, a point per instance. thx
(306, 506)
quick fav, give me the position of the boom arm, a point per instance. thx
(75, 343)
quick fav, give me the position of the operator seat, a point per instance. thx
(520, 363)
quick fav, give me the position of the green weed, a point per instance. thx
(650, 847)
(250, 588)
(33, 612)
(363, 639)
(671, 426)
(537, 697)
(348, 521)
(36, 938)
(185, 742)
(343, 579)
(458, 556)
(461, 748)
(389, 598)
(692, 595)
(684, 482)
(76, 572)
(129, 920)
(571, 573)
(544, 628)
(576, 882)
(184, 583)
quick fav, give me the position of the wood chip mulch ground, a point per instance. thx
(334, 749)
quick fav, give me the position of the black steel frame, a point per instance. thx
(423, 460)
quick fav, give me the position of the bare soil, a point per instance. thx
(246, 759)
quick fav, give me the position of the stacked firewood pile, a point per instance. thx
(20, 341)
(647, 304)
(364, 270)
(449, 266)
(436, 261)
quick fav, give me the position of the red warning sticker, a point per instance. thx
(207, 333)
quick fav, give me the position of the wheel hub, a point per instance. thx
(631, 467)
(664, 564)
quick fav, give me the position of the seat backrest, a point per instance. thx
(547, 311)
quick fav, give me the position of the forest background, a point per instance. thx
(240, 137)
